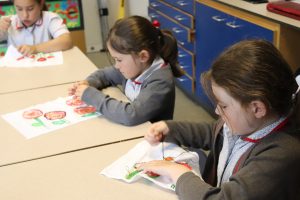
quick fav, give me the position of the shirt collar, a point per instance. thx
(157, 63)
(20, 25)
(260, 134)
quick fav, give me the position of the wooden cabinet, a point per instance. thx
(219, 26)
(178, 17)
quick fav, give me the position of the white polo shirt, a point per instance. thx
(46, 28)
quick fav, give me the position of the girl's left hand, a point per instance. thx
(164, 168)
(27, 50)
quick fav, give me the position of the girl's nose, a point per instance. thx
(117, 65)
(25, 15)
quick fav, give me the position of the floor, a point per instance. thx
(185, 109)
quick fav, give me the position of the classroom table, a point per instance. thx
(76, 176)
(15, 148)
(76, 67)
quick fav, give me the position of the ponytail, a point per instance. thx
(169, 51)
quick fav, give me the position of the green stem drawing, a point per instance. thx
(132, 174)
(38, 123)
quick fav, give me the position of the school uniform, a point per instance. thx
(151, 95)
(268, 169)
(49, 26)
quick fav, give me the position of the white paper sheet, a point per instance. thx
(13, 58)
(44, 118)
(123, 168)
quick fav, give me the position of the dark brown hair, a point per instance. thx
(134, 34)
(254, 70)
(40, 2)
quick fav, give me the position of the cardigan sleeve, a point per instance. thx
(192, 134)
(155, 101)
(271, 171)
(105, 77)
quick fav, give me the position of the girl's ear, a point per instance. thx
(144, 56)
(258, 108)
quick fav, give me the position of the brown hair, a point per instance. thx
(134, 34)
(254, 70)
(41, 2)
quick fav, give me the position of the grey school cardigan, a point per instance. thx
(155, 101)
(270, 170)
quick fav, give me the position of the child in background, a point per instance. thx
(145, 63)
(255, 145)
(34, 30)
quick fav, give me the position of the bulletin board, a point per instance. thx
(69, 10)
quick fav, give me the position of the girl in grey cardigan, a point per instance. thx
(145, 63)
(255, 145)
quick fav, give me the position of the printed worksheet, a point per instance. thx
(44, 118)
(13, 58)
(124, 168)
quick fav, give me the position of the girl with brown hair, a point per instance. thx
(255, 145)
(145, 63)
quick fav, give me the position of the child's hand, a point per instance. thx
(5, 23)
(78, 88)
(27, 50)
(156, 132)
(79, 91)
(163, 168)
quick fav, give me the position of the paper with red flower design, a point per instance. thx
(13, 58)
(43, 118)
(124, 168)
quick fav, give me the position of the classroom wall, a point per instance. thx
(93, 37)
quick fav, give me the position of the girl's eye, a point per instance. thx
(222, 106)
(30, 8)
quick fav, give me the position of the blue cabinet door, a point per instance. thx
(215, 31)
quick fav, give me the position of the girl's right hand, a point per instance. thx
(156, 132)
(5, 23)
(73, 88)
(165, 168)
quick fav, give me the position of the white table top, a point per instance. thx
(261, 10)
(14, 147)
(76, 176)
(76, 67)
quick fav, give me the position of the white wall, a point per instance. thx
(92, 22)
(92, 30)
(132, 7)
